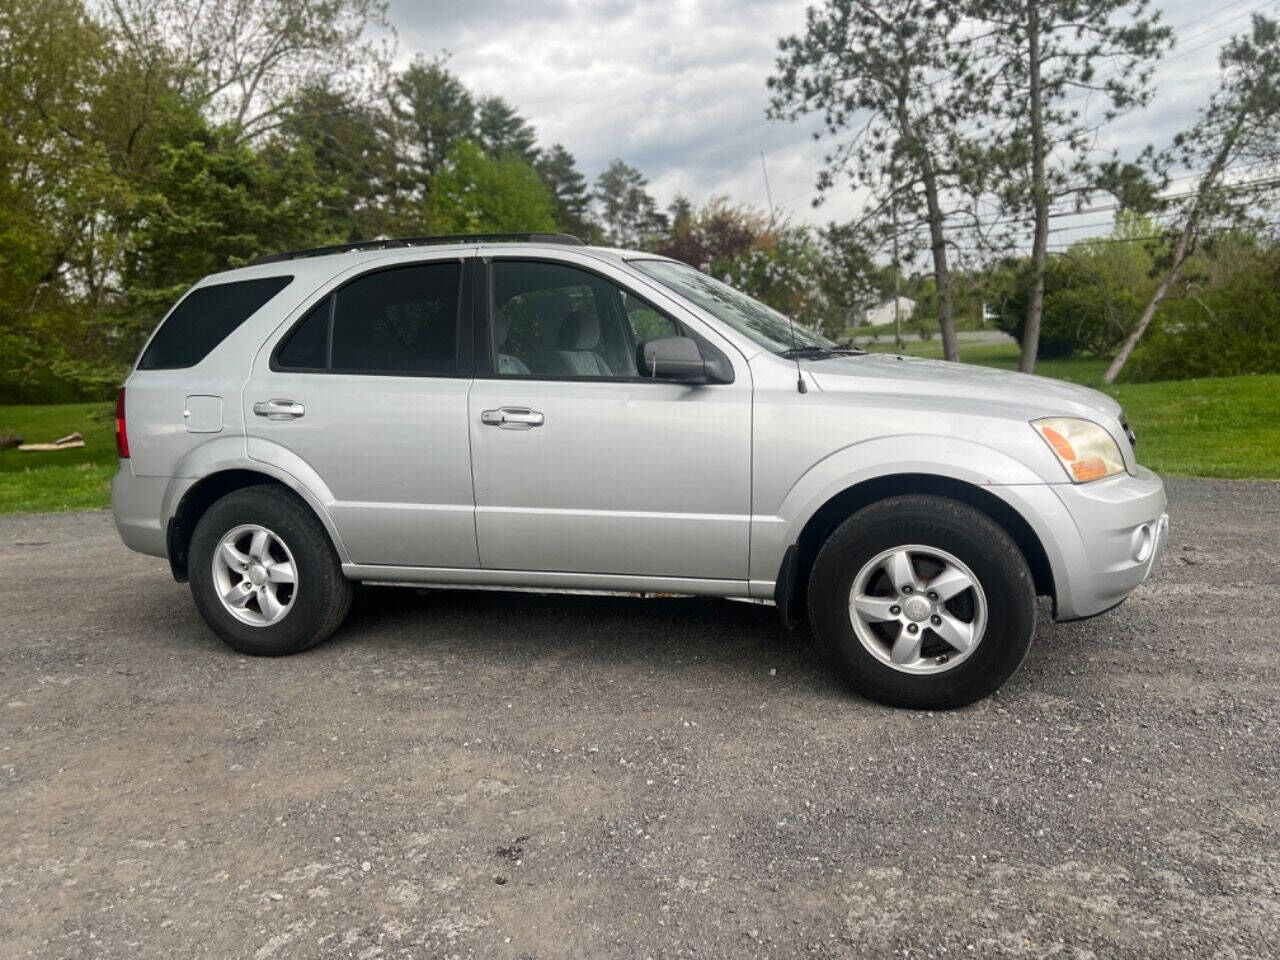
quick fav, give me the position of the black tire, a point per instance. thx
(969, 536)
(323, 594)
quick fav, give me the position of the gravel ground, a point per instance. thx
(508, 775)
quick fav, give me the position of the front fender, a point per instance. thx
(957, 459)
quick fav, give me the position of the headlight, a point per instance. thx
(1086, 451)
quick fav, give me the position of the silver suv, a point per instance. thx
(526, 412)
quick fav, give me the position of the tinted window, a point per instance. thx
(555, 321)
(762, 324)
(307, 346)
(646, 322)
(205, 317)
(403, 320)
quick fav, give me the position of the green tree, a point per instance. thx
(1228, 327)
(1039, 56)
(1241, 122)
(500, 130)
(244, 61)
(891, 80)
(476, 193)
(214, 204)
(82, 122)
(559, 171)
(713, 235)
(354, 155)
(436, 112)
(628, 214)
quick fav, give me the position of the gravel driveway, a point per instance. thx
(464, 774)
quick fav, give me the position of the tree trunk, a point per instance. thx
(1039, 196)
(1180, 253)
(1148, 315)
(937, 238)
(941, 268)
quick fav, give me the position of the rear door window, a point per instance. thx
(204, 318)
(399, 321)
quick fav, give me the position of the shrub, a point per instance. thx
(1231, 329)
(1092, 319)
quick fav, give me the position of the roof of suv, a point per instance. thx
(335, 258)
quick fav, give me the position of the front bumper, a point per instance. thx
(1122, 527)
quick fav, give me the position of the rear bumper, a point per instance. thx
(137, 506)
(1121, 526)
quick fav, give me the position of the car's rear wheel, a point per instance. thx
(264, 574)
(923, 602)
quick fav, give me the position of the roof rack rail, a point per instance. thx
(390, 243)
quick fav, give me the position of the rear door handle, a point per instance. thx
(512, 418)
(279, 409)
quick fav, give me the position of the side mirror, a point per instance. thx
(679, 359)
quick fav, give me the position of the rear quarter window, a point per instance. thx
(204, 318)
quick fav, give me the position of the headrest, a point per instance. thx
(579, 332)
(501, 327)
(552, 309)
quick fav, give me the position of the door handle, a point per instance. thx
(512, 418)
(279, 409)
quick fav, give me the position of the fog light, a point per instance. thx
(1143, 541)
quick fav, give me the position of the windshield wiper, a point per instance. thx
(820, 353)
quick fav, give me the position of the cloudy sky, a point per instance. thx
(677, 88)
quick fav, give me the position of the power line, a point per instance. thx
(1179, 54)
(782, 204)
(1211, 13)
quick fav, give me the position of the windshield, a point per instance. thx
(763, 325)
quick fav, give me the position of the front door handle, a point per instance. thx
(279, 409)
(512, 418)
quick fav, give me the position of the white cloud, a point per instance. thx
(678, 89)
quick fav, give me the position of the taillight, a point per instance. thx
(122, 433)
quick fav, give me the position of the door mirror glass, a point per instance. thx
(676, 358)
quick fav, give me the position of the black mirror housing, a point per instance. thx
(679, 359)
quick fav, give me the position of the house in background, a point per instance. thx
(883, 312)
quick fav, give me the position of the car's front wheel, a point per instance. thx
(264, 574)
(923, 602)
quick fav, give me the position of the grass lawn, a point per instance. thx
(1221, 427)
(67, 479)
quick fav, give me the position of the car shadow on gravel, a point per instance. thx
(663, 635)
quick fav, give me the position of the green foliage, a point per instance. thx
(214, 205)
(1093, 293)
(1231, 329)
(148, 143)
(1089, 318)
(629, 217)
(475, 193)
(435, 111)
(713, 235)
(354, 153)
(568, 187)
(501, 130)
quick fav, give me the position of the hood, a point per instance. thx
(959, 383)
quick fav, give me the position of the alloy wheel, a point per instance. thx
(254, 575)
(918, 609)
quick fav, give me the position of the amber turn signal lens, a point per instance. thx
(1059, 443)
(1091, 469)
